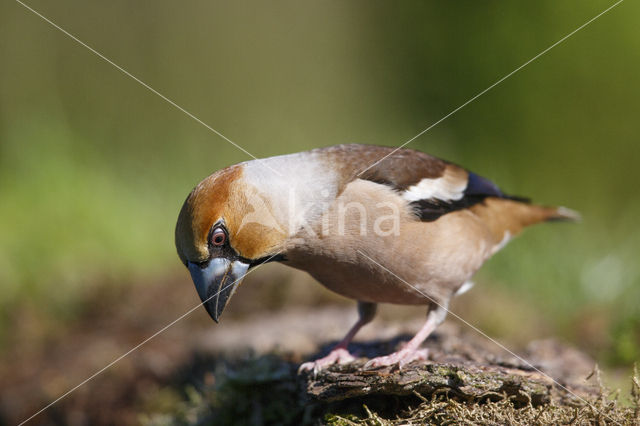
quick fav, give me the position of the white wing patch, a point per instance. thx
(449, 187)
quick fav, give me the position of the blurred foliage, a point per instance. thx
(94, 167)
(255, 390)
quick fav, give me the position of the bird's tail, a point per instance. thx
(533, 214)
(509, 215)
(562, 214)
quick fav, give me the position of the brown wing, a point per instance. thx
(432, 187)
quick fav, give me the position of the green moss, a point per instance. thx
(266, 390)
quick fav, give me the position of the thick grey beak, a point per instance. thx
(216, 282)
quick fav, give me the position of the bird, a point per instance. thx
(373, 223)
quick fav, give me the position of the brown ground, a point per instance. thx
(42, 359)
(274, 311)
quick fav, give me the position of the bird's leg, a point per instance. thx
(339, 354)
(410, 351)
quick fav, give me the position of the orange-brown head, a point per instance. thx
(225, 227)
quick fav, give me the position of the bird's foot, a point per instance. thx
(401, 358)
(336, 356)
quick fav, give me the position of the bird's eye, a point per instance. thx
(218, 237)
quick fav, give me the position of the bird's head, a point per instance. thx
(224, 228)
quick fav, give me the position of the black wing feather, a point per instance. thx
(477, 190)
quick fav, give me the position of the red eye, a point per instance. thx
(218, 237)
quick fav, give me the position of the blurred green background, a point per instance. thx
(94, 167)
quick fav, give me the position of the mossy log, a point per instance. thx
(468, 382)
(467, 368)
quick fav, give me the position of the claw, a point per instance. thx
(401, 358)
(336, 356)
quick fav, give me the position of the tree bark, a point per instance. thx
(466, 367)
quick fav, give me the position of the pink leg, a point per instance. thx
(339, 354)
(410, 351)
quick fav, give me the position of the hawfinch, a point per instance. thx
(371, 223)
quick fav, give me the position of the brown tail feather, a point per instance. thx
(563, 214)
(504, 215)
